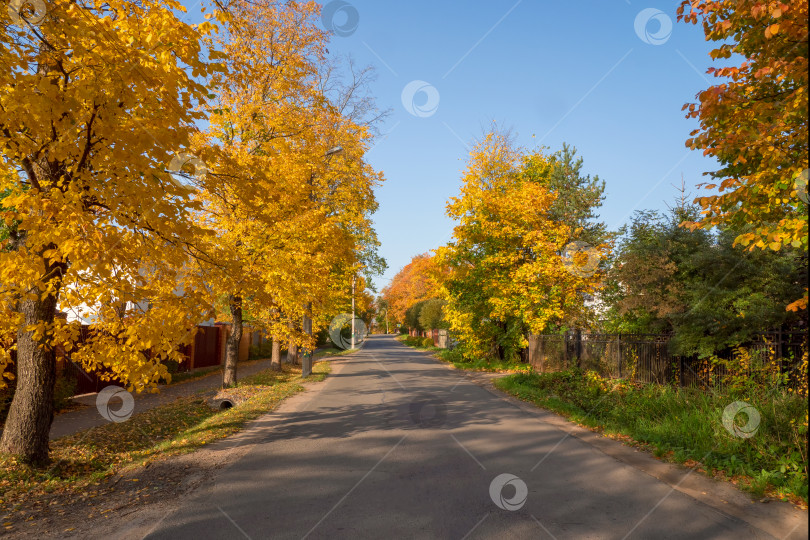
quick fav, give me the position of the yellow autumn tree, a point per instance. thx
(418, 280)
(333, 217)
(98, 99)
(253, 151)
(516, 263)
(289, 208)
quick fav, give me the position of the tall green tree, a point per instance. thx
(700, 286)
(578, 195)
(652, 268)
(431, 316)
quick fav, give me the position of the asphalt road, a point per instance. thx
(396, 445)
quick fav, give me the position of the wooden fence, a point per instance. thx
(207, 349)
(647, 357)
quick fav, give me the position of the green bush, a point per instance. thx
(64, 389)
(322, 338)
(260, 351)
(422, 342)
(173, 366)
(451, 355)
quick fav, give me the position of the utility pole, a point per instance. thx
(353, 330)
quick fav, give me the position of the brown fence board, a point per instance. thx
(647, 357)
(207, 344)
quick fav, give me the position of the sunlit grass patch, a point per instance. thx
(459, 361)
(685, 425)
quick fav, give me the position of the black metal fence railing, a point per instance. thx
(647, 357)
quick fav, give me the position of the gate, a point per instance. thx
(206, 346)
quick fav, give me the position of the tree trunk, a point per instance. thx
(275, 358)
(292, 346)
(232, 344)
(27, 428)
(306, 361)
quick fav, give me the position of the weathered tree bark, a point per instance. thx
(232, 343)
(27, 428)
(28, 424)
(292, 346)
(275, 358)
(306, 361)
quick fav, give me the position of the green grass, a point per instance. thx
(179, 427)
(459, 361)
(332, 351)
(684, 425)
(184, 376)
(415, 342)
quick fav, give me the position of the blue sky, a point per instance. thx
(561, 71)
(574, 71)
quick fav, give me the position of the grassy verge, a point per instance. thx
(459, 361)
(332, 351)
(685, 425)
(415, 342)
(184, 376)
(181, 426)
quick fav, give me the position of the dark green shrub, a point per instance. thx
(64, 389)
(322, 338)
(261, 351)
(173, 366)
(427, 342)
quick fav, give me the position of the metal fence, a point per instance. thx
(647, 357)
